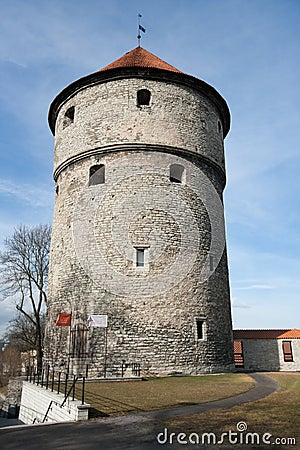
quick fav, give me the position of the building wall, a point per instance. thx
(152, 313)
(267, 354)
(107, 114)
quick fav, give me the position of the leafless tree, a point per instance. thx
(24, 275)
(10, 363)
(21, 332)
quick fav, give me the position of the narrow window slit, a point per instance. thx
(200, 329)
(211, 263)
(140, 257)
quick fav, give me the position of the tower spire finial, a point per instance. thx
(140, 28)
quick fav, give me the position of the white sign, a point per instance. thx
(97, 321)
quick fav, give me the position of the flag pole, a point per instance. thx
(139, 32)
(69, 352)
(105, 351)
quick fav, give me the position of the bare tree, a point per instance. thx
(10, 363)
(21, 332)
(24, 275)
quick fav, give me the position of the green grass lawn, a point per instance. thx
(277, 414)
(117, 398)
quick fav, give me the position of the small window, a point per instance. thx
(219, 126)
(57, 189)
(287, 351)
(70, 113)
(97, 175)
(69, 116)
(200, 329)
(143, 97)
(176, 173)
(140, 257)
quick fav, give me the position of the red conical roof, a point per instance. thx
(139, 57)
(143, 64)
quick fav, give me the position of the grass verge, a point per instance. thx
(117, 398)
(277, 414)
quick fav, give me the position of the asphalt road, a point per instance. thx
(136, 431)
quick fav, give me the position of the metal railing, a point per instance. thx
(58, 382)
(135, 369)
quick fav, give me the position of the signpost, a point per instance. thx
(100, 321)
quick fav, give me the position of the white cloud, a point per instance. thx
(55, 33)
(36, 196)
(266, 281)
(255, 286)
(53, 46)
(239, 304)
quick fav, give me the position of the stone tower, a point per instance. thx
(138, 228)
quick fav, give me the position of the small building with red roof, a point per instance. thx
(267, 350)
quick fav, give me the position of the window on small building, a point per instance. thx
(140, 257)
(176, 173)
(238, 354)
(97, 175)
(69, 116)
(200, 328)
(287, 351)
(143, 97)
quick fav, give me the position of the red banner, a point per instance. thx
(63, 320)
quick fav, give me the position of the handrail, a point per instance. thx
(45, 416)
(69, 392)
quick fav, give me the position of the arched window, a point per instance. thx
(143, 97)
(69, 116)
(97, 175)
(177, 173)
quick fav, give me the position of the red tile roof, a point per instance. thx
(266, 334)
(290, 334)
(139, 57)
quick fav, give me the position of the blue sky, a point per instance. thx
(247, 49)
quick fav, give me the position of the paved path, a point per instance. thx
(135, 431)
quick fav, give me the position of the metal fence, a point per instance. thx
(60, 382)
(135, 369)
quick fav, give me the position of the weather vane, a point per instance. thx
(140, 28)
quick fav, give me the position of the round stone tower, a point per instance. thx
(138, 229)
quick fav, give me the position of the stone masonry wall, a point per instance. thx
(152, 311)
(159, 330)
(267, 354)
(107, 114)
